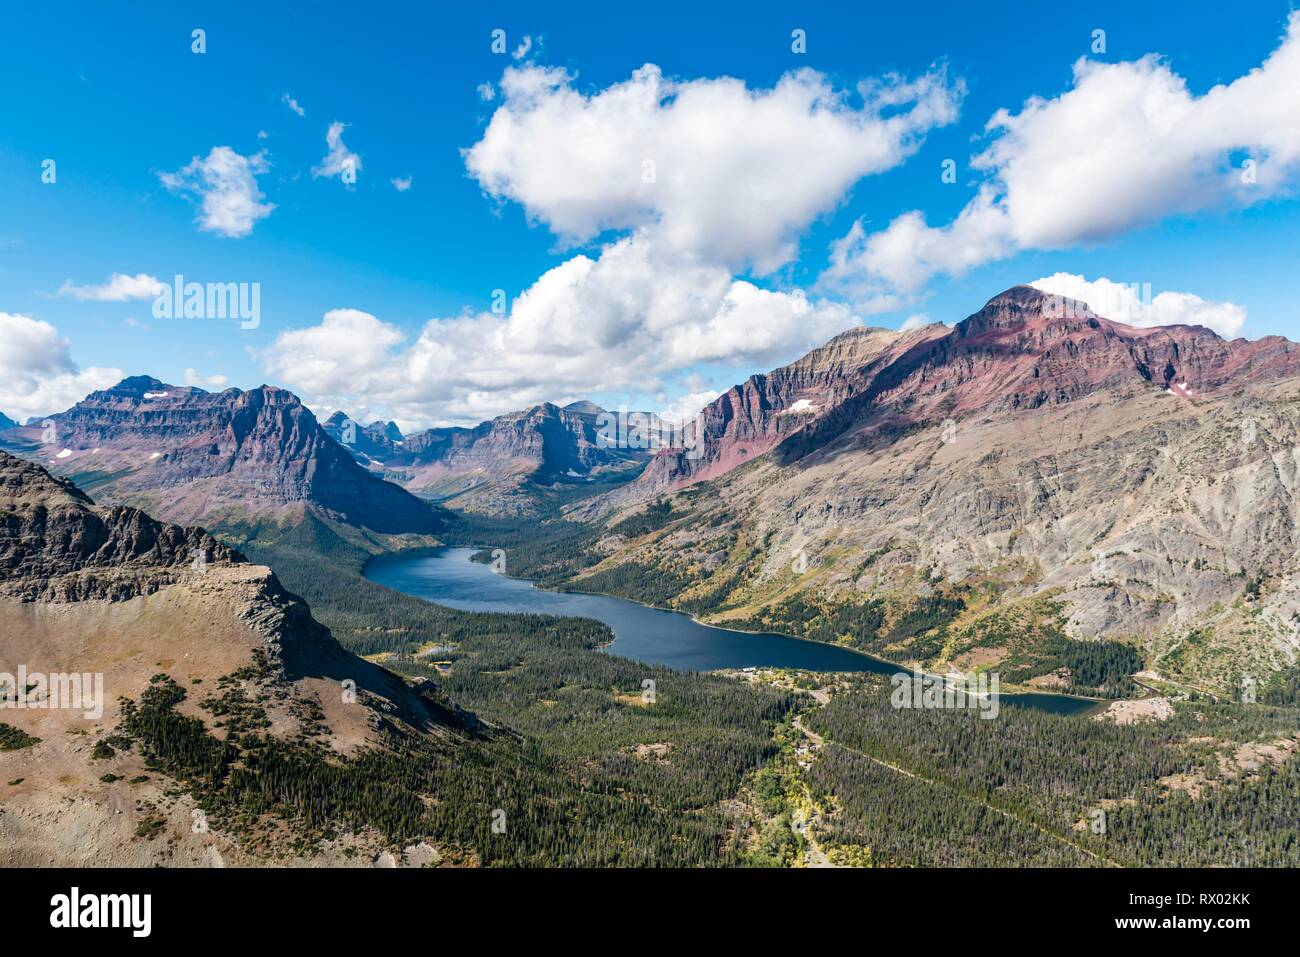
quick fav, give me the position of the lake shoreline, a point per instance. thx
(878, 665)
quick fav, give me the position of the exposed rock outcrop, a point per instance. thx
(109, 595)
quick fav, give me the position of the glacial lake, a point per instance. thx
(650, 635)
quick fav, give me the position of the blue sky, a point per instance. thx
(123, 106)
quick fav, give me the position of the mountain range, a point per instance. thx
(1075, 503)
(486, 467)
(226, 458)
(1024, 349)
(1033, 472)
(965, 494)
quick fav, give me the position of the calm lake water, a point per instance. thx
(650, 635)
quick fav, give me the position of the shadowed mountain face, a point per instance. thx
(1022, 350)
(233, 456)
(483, 468)
(6, 422)
(58, 546)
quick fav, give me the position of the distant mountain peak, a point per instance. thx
(138, 385)
(1019, 294)
(191, 455)
(387, 429)
(1022, 306)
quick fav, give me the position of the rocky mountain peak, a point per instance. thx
(190, 455)
(138, 385)
(388, 430)
(1022, 306)
(25, 484)
(584, 407)
(1023, 349)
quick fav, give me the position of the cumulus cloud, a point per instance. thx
(486, 92)
(616, 323)
(192, 377)
(225, 183)
(401, 183)
(1132, 303)
(119, 288)
(1127, 146)
(705, 180)
(37, 374)
(682, 409)
(292, 104)
(339, 161)
(881, 270)
(707, 168)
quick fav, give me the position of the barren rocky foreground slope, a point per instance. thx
(155, 609)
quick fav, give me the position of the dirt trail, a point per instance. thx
(818, 742)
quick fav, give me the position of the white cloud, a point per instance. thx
(1127, 146)
(37, 374)
(401, 183)
(706, 168)
(1133, 304)
(193, 378)
(339, 161)
(703, 178)
(486, 92)
(226, 184)
(336, 356)
(684, 408)
(521, 51)
(881, 270)
(916, 321)
(119, 288)
(292, 104)
(614, 324)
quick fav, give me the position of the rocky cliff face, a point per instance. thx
(1022, 350)
(191, 455)
(755, 416)
(56, 545)
(542, 442)
(483, 467)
